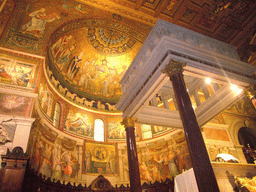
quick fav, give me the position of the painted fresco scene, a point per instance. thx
(17, 73)
(79, 123)
(53, 157)
(115, 129)
(15, 105)
(100, 159)
(61, 159)
(163, 159)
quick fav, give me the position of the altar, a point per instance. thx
(172, 66)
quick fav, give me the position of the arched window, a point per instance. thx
(248, 140)
(98, 130)
(56, 116)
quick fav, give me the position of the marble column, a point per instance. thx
(135, 184)
(203, 170)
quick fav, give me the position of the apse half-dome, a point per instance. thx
(87, 59)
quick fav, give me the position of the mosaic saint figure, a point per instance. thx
(3, 72)
(161, 168)
(74, 66)
(68, 165)
(112, 162)
(75, 167)
(37, 153)
(155, 173)
(45, 168)
(38, 21)
(172, 166)
(86, 78)
(57, 164)
(64, 57)
(144, 172)
(126, 169)
(59, 46)
(181, 160)
(108, 170)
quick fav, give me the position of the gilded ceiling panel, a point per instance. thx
(30, 25)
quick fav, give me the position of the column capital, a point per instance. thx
(251, 90)
(129, 122)
(174, 67)
(251, 93)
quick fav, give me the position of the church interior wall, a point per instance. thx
(29, 92)
(66, 144)
(218, 139)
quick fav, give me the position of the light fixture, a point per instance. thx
(208, 80)
(236, 89)
(239, 91)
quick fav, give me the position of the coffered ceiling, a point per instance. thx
(231, 21)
